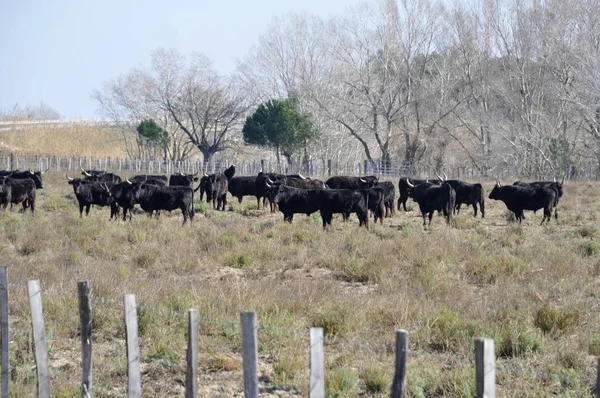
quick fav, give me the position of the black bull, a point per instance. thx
(468, 194)
(518, 198)
(17, 191)
(155, 198)
(431, 197)
(292, 201)
(405, 189)
(90, 193)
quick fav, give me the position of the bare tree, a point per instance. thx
(190, 100)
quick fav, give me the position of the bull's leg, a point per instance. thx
(430, 217)
(32, 205)
(80, 210)
(556, 213)
(288, 217)
(185, 214)
(474, 210)
(125, 214)
(87, 210)
(239, 199)
(224, 202)
(457, 208)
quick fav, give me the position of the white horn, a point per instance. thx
(128, 182)
(445, 175)
(438, 176)
(409, 184)
(301, 176)
(69, 178)
(361, 180)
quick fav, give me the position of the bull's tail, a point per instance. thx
(481, 199)
(365, 216)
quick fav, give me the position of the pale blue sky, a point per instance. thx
(58, 51)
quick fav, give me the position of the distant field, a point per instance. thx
(75, 139)
(533, 289)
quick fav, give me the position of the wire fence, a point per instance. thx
(506, 366)
(314, 168)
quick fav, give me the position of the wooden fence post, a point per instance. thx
(85, 319)
(4, 326)
(317, 364)
(39, 338)
(250, 354)
(485, 368)
(399, 384)
(134, 389)
(598, 380)
(191, 382)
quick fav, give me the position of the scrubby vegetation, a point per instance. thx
(533, 289)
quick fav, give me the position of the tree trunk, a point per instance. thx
(277, 155)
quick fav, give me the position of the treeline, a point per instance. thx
(507, 87)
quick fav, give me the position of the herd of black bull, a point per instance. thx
(291, 194)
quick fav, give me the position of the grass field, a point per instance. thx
(534, 289)
(77, 139)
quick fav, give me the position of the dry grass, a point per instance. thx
(76, 139)
(533, 289)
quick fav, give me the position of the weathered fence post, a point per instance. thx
(598, 380)
(85, 319)
(39, 338)
(134, 389)
(4, 326)
(191, 382)
(399, 384)
(250, 354)
(485, 368)
(317, 364)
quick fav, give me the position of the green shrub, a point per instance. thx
(586, 231)
(334, 320)
(550, 319)
(225, 240)
(594, 345)
(449, 332)
(589, 248)
(239, 261)
(516, 340)
(146, 259)
(341, 383)
(376, 378)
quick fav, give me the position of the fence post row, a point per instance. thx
(250, 354)
(317, 364)
(485, 367)
(134, 389)
(191, 382)
(85, 318)
(39, 338)
(4, 326)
